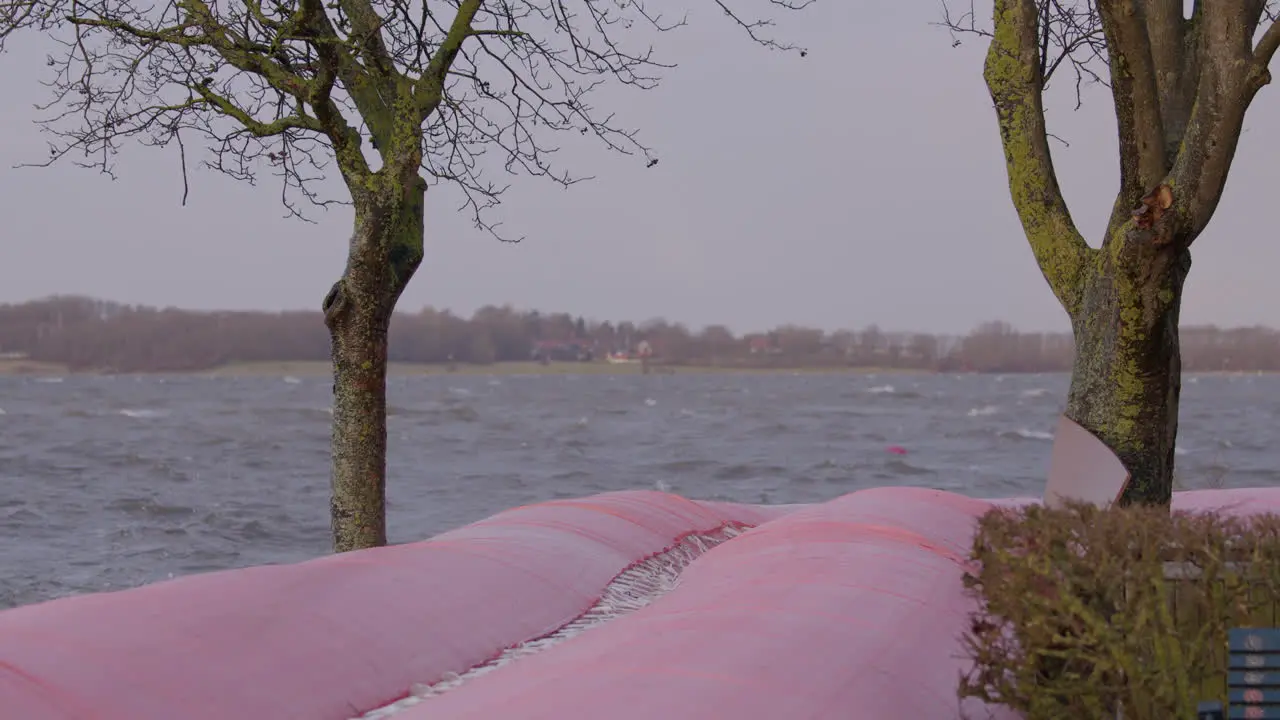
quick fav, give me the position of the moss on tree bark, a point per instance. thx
(1126, 379)
(386, 250)
(1181, 87)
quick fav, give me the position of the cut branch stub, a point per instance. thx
(1153, 207)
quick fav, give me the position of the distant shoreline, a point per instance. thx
(310, 368)
(313, 368)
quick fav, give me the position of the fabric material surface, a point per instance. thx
(850, 608)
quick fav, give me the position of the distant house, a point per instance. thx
(764, 344)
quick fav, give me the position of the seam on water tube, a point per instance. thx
(908, 537)
(636, 586)
(57, 698)
(851, 530)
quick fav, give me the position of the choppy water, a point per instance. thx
(110, 482)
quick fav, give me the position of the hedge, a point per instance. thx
(1083, 612)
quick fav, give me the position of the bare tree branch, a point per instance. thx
(755, 28)
(1137, 102)
(1070, 34)
(284, 87)
(1181, 86)
(1229, 78)
(1176, 71)
(1266, 47)
(1014, 74)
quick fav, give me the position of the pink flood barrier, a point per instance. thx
(851, 608)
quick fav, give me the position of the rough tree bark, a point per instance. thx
(1181, 87)
(386, 249)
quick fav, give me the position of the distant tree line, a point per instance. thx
(87, 334)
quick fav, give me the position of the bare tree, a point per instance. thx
(1181, 86)
(290, 88)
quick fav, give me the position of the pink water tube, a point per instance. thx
(629, 606)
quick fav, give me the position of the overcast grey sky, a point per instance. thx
(863, 183)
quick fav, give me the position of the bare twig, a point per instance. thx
(278, 88)
(1070, 36)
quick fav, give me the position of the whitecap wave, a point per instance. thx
(144, 413)
(983, 411)
(1033, 434)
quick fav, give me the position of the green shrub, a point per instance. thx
(1083, 611)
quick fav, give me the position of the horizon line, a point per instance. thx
(589, 318)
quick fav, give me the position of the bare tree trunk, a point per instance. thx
(1126, 381)
(386, 250)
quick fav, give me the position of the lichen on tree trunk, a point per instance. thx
(1126, 380)
(1181, 86)
(386, 249)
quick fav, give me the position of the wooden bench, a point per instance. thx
(1253, 677)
